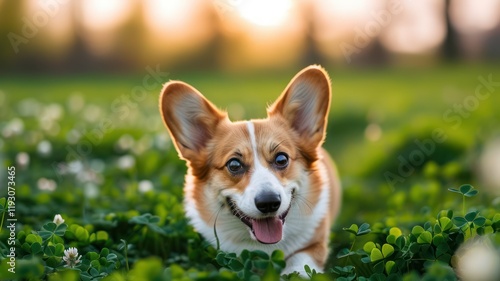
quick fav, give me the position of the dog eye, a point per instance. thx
(234, 165)
(281, 160)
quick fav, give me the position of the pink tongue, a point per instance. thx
(268, 230)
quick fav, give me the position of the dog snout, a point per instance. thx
(268, 202)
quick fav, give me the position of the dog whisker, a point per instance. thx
(215, 226)
(304, 201)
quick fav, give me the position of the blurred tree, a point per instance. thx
(129, 43)
(311, 53)
(79, 57)
(449, 48)
(209, 56)
(10, 17)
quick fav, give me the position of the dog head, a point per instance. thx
(248, 174)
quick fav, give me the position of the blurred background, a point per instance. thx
(71, 36)
(415, 96)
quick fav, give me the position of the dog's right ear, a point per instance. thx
(189, 117)
(305, 104)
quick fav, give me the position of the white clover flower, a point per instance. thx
(71, 257)
(478, 260)
(52, 112)
(58, 219)
(489, 166)
(125, 142)
(13, 128)
(75, 167)
(126, 162)
(46, 184)
(92, 113)
(44, 148)
(23, 159)
(29, 107)
(91, 190)
(145, 186)
(73, 136)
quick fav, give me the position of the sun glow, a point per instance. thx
(419, 28)
(100, 20)
(98, 15)
(265, 13)
(168, 16)
(469, 17)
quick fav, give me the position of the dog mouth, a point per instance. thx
(267, 230)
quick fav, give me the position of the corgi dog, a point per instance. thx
(263, 184)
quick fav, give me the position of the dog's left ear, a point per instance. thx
(304, 104)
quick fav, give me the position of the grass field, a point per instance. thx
(102, 159)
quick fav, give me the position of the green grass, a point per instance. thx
(405, 104)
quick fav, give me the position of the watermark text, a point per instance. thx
(11, 218)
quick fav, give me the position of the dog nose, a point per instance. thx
(268, 202)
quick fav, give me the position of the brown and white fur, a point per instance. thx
(261, 184)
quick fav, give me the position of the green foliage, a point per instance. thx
(358, 230)
(425, 252)
(253, 265)
(427, 249)
(466, 190)
(47, 247)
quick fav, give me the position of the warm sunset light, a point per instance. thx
(348, 8)
(105, 15)
(254, 33)
(465, 17)
(265, 13)
(170, 15)
(420, 27)
(175, 28)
